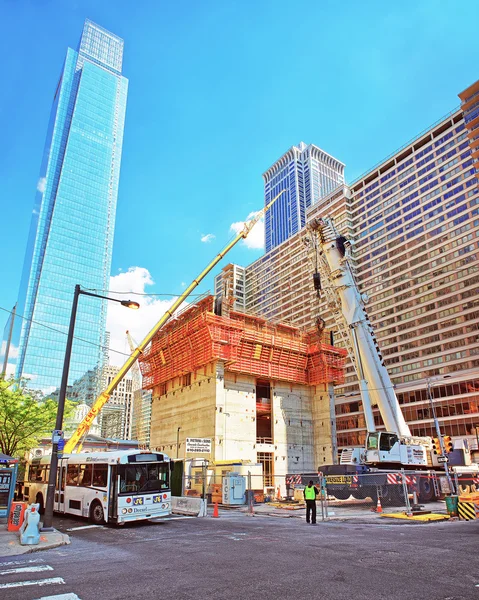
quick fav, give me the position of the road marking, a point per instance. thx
(166, 519)
(60, 597)
(27, 570)
(50, 581)
(22, 562)
(85, 527)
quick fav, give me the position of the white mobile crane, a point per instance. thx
(395, 448)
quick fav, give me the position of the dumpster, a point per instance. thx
(451, 505)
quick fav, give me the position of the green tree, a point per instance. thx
(24, 417)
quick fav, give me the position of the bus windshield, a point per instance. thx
(135, 478)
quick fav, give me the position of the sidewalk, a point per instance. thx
(334, 514)
(10, 542)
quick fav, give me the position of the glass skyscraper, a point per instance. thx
(73, 220)
(307, 173)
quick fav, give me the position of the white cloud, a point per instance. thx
(206, 238)
(255, 239)
(137, 322)
(41, 185)
(13, 351)
(10, 370)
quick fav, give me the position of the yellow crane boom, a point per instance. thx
(103, 398)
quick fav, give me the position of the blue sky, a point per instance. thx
(219, 89)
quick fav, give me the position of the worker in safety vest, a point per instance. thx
(310, 493)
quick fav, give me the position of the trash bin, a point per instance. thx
(451, 505)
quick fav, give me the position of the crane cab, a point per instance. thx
(383, 447)
(386, 448)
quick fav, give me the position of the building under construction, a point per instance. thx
(261, 392)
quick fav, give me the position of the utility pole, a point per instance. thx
(441, 441)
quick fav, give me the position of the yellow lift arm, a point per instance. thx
(103, 398)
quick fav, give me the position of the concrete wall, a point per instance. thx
(324, 426)
(293, 431)
(236, 418)
(191, 407)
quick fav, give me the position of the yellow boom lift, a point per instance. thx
(103, 398)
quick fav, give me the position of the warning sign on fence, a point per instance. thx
(198, 445)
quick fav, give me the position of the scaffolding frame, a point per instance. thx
(245, 343)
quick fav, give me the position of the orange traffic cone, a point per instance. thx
(215, 510)
(379, 508)
(278, 494)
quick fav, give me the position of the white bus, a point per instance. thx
(112, 487)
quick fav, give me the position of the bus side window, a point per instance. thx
(100, 473)
(86, 472)
(72, 475)
(45, 473)
(36, 474)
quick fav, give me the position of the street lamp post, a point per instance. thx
(48, 517)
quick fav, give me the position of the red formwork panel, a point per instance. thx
(246, 343)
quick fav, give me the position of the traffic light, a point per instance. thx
(448, 445)
(436, 446)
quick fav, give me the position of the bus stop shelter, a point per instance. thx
(8, 478)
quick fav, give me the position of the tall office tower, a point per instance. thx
(73, 221)
(307, 173)
(414, 223)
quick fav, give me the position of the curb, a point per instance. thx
(65, 541)
(16, 549)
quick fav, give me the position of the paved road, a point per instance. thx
(246, 558)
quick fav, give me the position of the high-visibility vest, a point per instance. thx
(310, 493)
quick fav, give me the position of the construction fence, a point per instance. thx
(339, 496)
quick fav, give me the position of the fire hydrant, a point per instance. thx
(30, 530)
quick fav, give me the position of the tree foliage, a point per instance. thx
(24, 417)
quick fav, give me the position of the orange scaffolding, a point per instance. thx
(246, 344)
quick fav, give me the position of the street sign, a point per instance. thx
(57, 436)
(61, 445)
(198, 445)
(442, 459)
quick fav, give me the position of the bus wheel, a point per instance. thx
(39, 500)
(96, 513)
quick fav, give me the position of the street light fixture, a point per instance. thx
(48, 517)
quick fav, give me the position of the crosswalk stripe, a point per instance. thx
(86, 527)
(21, 562)
(51, 581)
(27, 570)
(60, 597)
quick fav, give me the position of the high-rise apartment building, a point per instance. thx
(307, 173)
(72, 227)
(117, 413)
(414, 223)
(230, 286)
